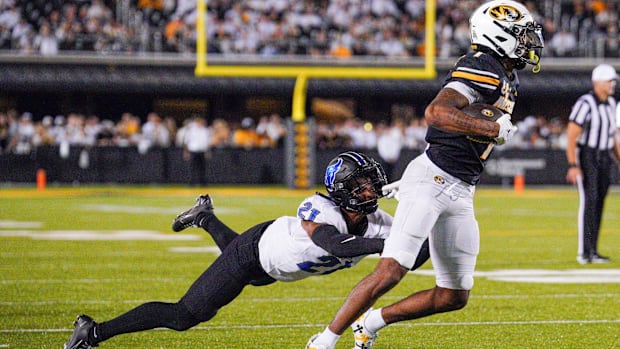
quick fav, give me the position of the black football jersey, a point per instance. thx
(455, 153)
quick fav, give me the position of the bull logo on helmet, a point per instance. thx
(505, 13)
(330, 173)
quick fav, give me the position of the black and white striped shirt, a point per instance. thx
(597, 120)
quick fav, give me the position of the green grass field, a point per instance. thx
(104, 250)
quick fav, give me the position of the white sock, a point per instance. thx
(327, 338)
(374, 321)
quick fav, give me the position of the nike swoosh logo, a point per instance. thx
(347, 240)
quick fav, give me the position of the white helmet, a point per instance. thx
(507, 28)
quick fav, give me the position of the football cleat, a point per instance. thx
(583, 260)
(363, 338)
(203, 205)
(598, 259)
(312, 345)
(79, 338)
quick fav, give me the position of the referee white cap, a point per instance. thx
(604, 72)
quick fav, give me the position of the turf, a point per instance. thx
(47, 279)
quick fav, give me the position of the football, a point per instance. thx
(482, 111)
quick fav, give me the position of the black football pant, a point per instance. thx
(596, 168)
(237, 267)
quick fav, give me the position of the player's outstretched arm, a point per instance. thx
(341, 245)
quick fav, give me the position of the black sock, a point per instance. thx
(220, 232)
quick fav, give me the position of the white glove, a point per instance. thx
(391, 190)
(506, 129)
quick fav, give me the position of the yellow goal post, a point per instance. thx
(302, 177)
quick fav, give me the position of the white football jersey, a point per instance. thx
(287, 253)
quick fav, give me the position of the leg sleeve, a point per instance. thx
(220, 232)
(147, 316)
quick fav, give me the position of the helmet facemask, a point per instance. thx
(529, 44)
(369, 179)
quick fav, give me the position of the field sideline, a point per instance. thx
(102, 250)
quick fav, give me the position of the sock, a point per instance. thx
(374, 321)
(220, 232)
(327, 338)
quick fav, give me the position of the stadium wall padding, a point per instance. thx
(127, 165)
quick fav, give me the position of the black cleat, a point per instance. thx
(79, 338)
(598, 259)
(203, 205)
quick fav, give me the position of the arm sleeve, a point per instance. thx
(345, 245)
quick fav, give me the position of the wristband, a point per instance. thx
(572, 164)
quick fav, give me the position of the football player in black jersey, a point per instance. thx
(437, 188)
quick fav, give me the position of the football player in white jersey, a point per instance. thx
(437, 188)
(329, 232)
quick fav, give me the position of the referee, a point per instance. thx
(590, 146)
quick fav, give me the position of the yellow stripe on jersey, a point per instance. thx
(476, 77)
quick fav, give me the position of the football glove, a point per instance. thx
(390, 190)
(506, 129)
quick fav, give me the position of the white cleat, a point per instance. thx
(363, 338)
(312, 345)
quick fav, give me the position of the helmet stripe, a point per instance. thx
(356, 157)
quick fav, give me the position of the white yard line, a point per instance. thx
(313, 299)
(405, 324)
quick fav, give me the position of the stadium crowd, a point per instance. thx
(20, 134)
(341, 28)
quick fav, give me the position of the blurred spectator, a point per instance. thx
(4, 132)
(196, 145)
(563, 43)
(42, 135)
(105, 136)
(22, 141)
(45, 42)
(92, 127)
(246, 136)
(75, 129)
(612, 40)
(390, 142)
(154, 132)
(415, 134)
(98, 10)
(220, 133)
(171, 125)
(9, 17)
(58, 130)
(327, 137)
(272, 130)
(127, 130)
(179, 139)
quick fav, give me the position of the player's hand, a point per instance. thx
(506, 129)
(391, 190)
